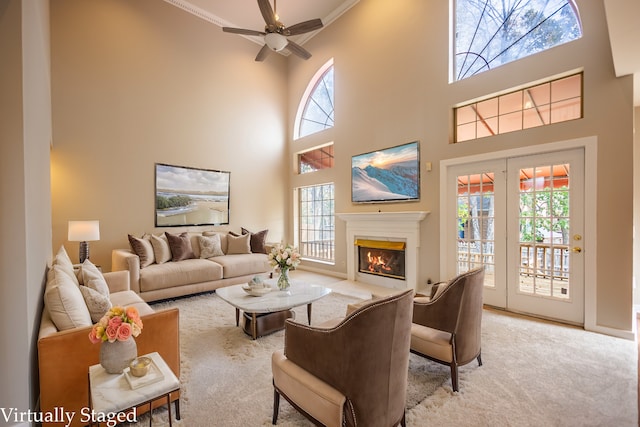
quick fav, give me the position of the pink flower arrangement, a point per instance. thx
(284, 257)
(118, 324)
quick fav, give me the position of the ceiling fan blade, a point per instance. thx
(298, 50)
(304, 27)
(264, 52)
(267, 12)
(243, 31)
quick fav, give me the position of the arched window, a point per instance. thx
(489, 33)
(315, 208)
(316, 109)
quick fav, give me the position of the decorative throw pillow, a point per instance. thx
(63, 261)
(210, 246)
(64, 301)
(180, 245)
(238, 244)
(258, 240)
(93, 278)
(223, 239)
(441, 286)
(142, 247)
(97, 303)
(161, 249)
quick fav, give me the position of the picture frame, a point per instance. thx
(189, 196)
(388, 175)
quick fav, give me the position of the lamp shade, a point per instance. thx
(84, 231)
(276, 41)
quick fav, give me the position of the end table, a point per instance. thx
(111, 394)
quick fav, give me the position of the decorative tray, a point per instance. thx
(256, 292)
(153, 376)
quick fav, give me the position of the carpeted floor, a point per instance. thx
(535, 373)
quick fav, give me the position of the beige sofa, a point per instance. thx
(64, 350)
(154, 275)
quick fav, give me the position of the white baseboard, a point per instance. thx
(619, 333)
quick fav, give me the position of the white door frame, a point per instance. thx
(590, 146)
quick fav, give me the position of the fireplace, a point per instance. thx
(381, 258)
(386, 229)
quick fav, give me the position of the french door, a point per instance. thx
(522, 219)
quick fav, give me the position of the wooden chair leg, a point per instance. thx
(480, 359)
(454, 377)
(276, 406)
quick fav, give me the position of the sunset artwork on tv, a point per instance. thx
(388, 175)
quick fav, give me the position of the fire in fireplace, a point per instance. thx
(382, 258)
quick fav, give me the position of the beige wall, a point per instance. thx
(25, 134)
(391, 87)
(135, 83)
(636, 209)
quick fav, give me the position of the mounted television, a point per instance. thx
(389, 175)
(191, 196)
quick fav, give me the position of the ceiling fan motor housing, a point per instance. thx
(276, 41)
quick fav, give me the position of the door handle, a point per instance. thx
(576, 249)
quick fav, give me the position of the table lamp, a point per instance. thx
(84, 232)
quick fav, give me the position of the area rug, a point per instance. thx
(534, 373)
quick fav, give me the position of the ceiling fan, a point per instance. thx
(275, 32)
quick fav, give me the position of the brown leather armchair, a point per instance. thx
(446, 329)
(351, 371)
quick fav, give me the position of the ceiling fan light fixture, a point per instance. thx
(276, 41)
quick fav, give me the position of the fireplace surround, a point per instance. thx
(392, 227)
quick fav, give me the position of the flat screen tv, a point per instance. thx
(388, 175)
(191, 196)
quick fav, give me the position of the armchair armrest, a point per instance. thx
(313, 348)
(438, 313)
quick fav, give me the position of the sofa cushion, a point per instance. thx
(242, 265)
(143, 248)
(210, 246)
(238, 244)
(258, 240)
(64, 301)
(131, 299)
(161, 249)
(185, 272)
(180, 245)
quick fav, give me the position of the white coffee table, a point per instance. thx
(274, 304)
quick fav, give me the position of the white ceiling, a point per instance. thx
(246, 13)
(622, 17)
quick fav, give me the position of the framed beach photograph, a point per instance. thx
(388, 175)
(191, 196)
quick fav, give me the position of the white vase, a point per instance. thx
(117, 355)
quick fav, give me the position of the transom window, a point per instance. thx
(317, 113)
(489, 33)
(543, 104)
(315, 159)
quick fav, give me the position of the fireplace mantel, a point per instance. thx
(400, 226)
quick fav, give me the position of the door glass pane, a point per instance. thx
(475, 218)
(544, 231)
